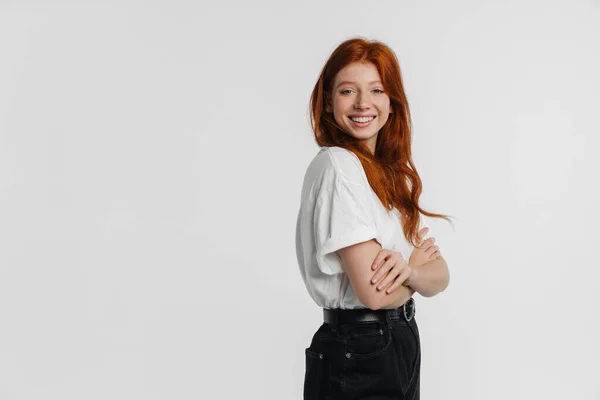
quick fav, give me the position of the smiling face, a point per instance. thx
(358, 102)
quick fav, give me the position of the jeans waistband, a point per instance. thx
(339, 316)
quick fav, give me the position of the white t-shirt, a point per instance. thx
(339, 208)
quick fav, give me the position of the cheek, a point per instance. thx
(384, 113)
(384, 120)
(385, 106)
(338, 111)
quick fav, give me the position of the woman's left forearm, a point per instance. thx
(430, 278)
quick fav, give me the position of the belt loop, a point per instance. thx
(388, 319)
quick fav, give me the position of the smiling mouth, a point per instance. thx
(362, 119)
(361, 122)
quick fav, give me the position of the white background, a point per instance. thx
(151, 160)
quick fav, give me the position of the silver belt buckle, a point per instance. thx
(411, 314)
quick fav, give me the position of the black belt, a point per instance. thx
(362, 315)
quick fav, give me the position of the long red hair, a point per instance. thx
(390, 171)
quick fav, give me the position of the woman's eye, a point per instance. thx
(378, 91)
(345, 91)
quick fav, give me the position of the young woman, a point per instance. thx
(359, 215)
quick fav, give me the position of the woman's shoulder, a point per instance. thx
(341, 161)
(338, 152)
(331, 167)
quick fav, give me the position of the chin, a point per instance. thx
(363, 135)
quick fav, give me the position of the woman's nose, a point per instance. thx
(361, 102)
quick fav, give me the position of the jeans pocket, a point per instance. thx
(313, 375)
(365, 345)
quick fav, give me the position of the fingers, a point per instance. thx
(381, 256)
(432, 253)
(388, 263)
(428, 247)
(397, 270)
(404, 275)
(383, 269)
(432, 249)
(429, 242)
(392, 274)
(421, 234)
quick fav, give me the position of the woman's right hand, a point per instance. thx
(425, 252)
(390, 268)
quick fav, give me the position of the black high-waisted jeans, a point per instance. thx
(373, 360)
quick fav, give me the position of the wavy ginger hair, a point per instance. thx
(391, 169)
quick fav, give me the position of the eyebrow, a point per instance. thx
(343, 82)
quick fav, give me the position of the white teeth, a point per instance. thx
(361, 119)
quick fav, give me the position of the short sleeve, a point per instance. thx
(343, 217)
